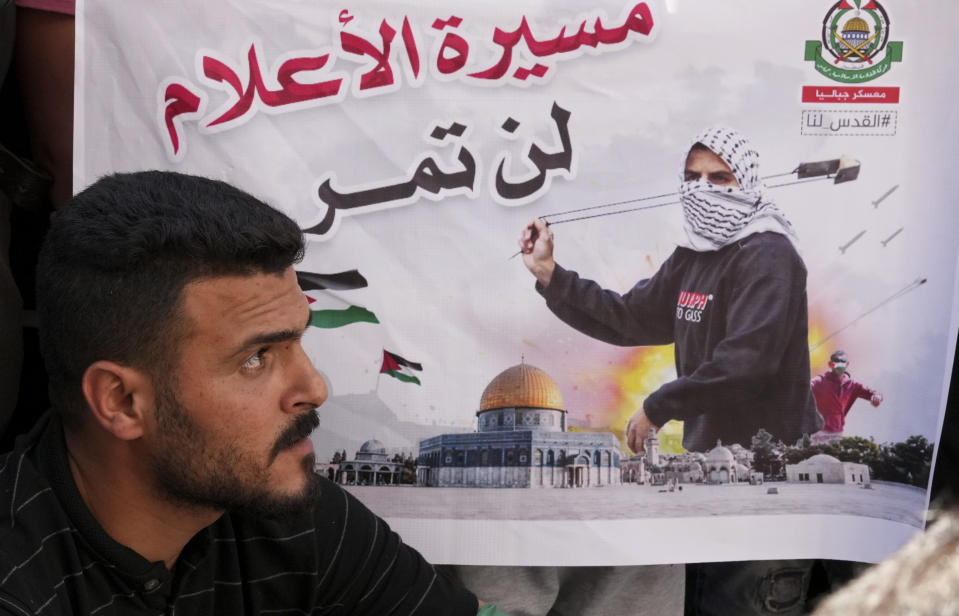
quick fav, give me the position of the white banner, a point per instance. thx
(413, 142)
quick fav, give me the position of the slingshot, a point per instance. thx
(839, 170)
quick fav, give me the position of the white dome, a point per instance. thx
(719, 454)
(372, 446)
(821, 458)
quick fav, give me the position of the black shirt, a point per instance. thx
(738, 318)
(336, 558)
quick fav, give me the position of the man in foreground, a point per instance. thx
(835, 391)
(175, 471)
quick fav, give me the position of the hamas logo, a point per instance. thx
(855, 44)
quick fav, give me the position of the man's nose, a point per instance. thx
(307, 385)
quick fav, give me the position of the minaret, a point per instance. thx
(652, 448)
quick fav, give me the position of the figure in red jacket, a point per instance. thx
(835, 391)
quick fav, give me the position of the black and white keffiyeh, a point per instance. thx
(716, 216)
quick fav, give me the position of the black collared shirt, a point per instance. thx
(336, 558)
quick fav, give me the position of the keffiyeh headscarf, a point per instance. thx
(716, 216)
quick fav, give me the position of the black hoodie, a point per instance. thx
(738, 318)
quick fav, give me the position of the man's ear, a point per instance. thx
(118, 396)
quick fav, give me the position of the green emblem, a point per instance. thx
(855, 45)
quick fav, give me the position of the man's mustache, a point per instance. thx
(301, 428)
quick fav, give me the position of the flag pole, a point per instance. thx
(376, 389)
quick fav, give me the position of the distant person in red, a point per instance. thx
(835, 391)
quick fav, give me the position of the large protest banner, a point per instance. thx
(413, 143)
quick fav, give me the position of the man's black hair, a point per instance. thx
(117, 257)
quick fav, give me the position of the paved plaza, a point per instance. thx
(890, 501)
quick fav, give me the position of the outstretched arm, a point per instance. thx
(874, 397)
(642, 316)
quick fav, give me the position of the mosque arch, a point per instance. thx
(385, 475)
(365, 475)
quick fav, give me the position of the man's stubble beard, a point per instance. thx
(190, 470)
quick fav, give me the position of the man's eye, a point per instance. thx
(691, 176)
(255, 361)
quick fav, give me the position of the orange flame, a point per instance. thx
(642, 372)
(819, 357)
(645, 369)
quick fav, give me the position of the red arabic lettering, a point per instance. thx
(410, 43)
(290, 90)
(506, 40)
(452, 42)
(639, 20)
(218, 71)
(293, 91)
(272, 87)
(178, 99)
(382, 73)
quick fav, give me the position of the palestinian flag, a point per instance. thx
(340, 281)
(334, 312)
(332, 318)
(396, 367)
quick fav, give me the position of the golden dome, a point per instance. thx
(856, 24)
(522, 385)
